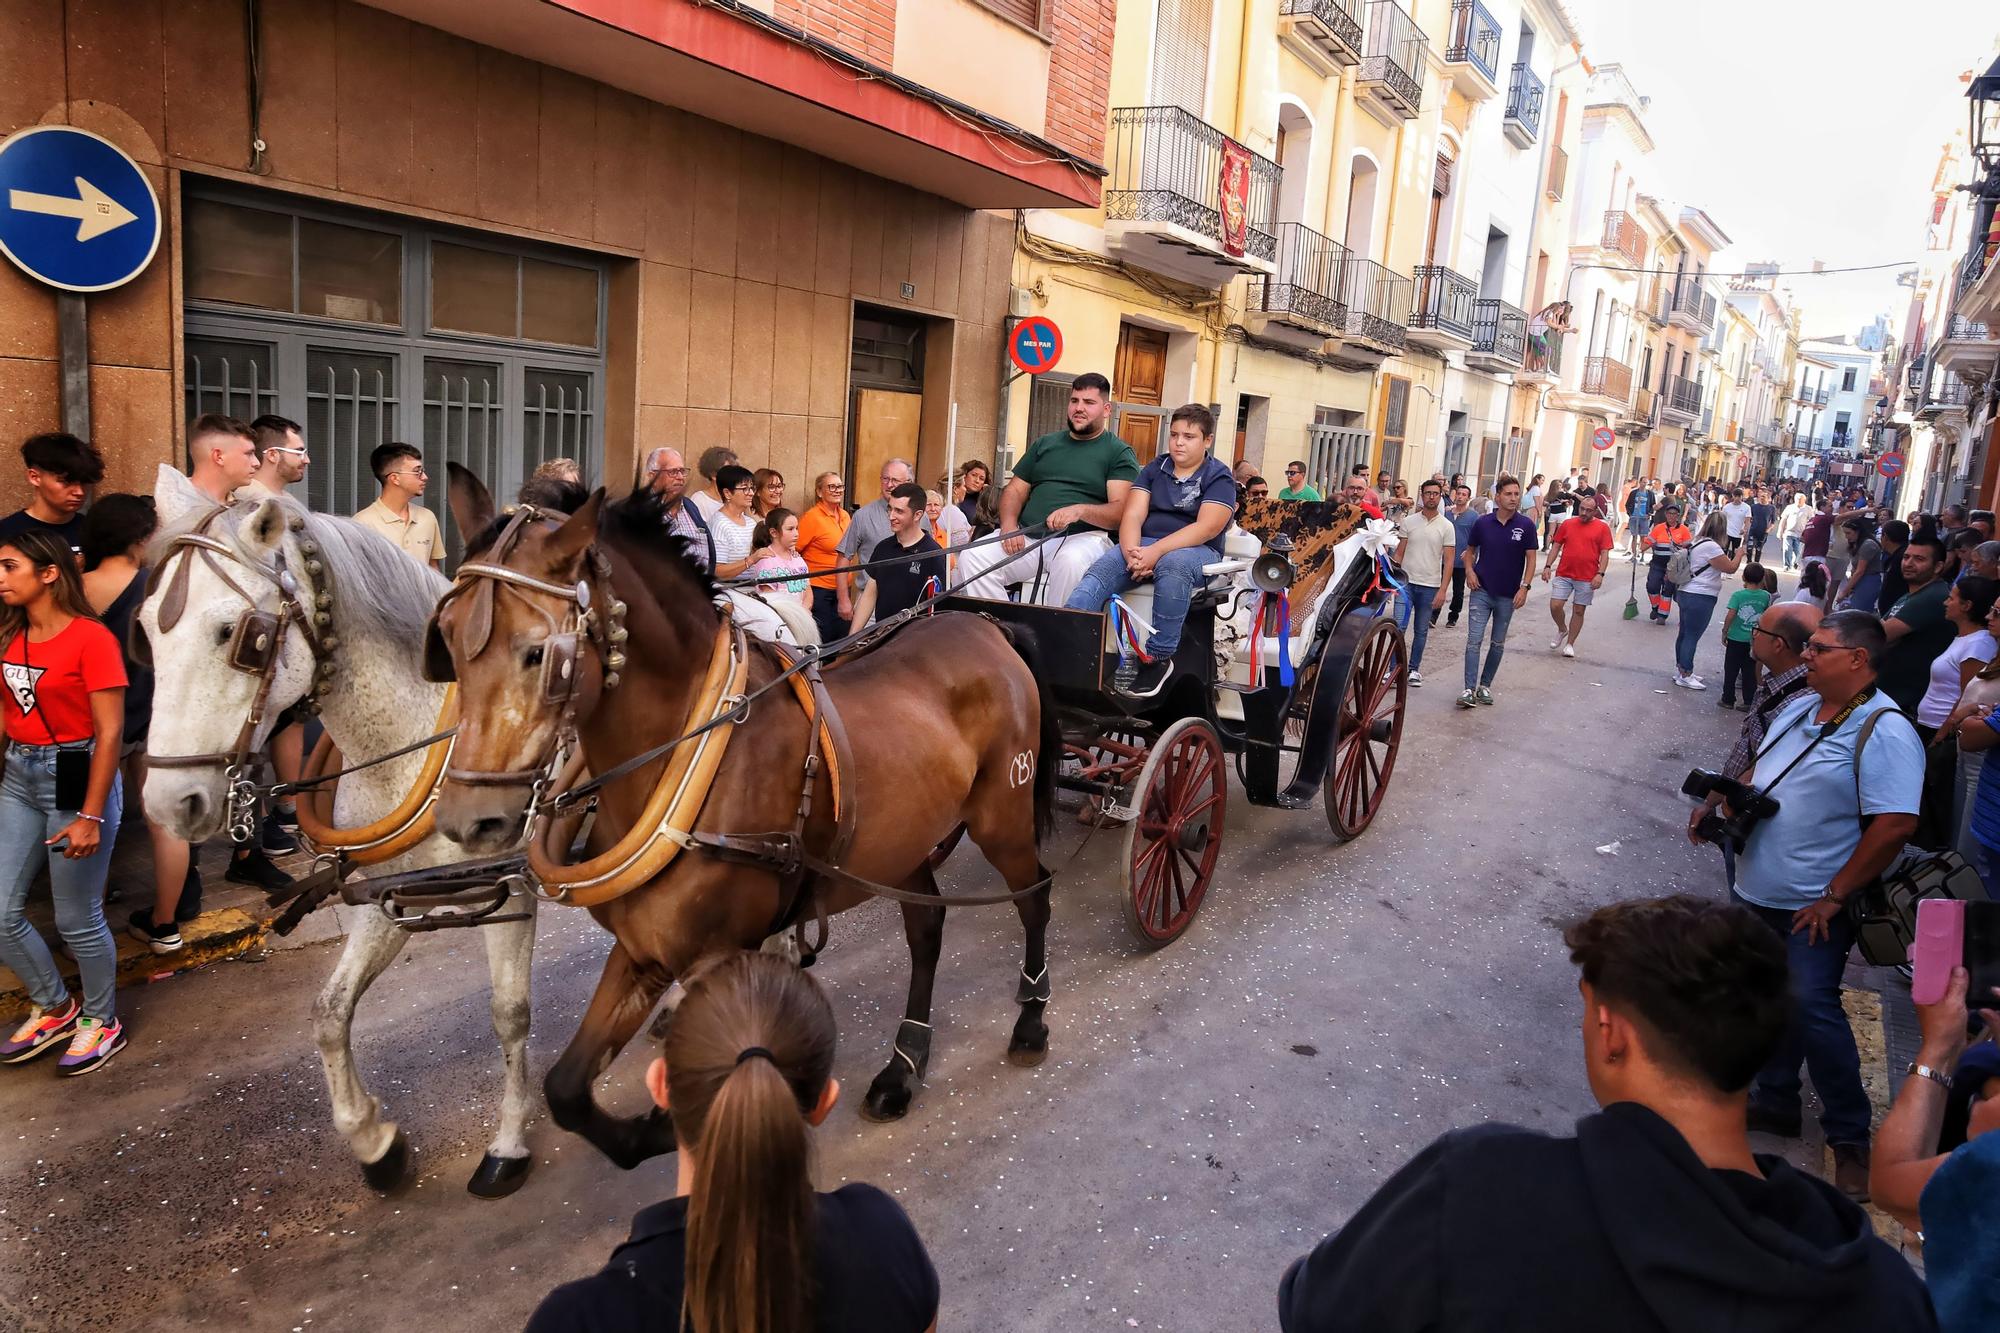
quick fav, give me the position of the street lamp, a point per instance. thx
(1984, 117)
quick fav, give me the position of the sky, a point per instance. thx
(1806, 131)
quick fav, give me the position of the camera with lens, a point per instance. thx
(1746, 807)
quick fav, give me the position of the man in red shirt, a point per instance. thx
(1579, 553)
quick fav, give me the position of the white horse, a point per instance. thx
(378, 702)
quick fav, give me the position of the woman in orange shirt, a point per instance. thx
(821, 527)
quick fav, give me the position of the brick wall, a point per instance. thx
(865, 27)
(1079, 73)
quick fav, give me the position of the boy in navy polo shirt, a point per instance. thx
(1174, 519)
(1499, 561)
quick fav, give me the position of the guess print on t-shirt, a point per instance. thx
(21, 680)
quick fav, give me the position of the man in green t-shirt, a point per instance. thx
(1296, 487)
(1072, 481)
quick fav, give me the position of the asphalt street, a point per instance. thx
(1206, 1114)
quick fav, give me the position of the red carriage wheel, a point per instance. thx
(1176, 831)
(1369, 730)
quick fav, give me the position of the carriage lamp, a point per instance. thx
(1273, 571)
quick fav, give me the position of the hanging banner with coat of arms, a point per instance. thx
(1234, 195)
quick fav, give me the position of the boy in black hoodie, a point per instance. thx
(1656, 1216)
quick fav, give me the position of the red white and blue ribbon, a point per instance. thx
(1273, 614)
(1385, 573)
(932, 588)
(1124, 632)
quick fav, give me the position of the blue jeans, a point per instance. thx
(1791, 552)
(1175, 577)
(1421, 601)
(1818, 1034)
(28, 819)
(1499, 611)
(1697, 609)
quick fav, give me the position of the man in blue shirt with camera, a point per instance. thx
(1847, 771)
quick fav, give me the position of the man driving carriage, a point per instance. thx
(1075, 481)
(1173, 524)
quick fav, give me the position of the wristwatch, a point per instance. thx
(1937, 1076)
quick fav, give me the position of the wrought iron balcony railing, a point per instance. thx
(1688, 299)
(1969, 330)
(1394, 54)
(1166, 166)
(1306, 289)
(1607, 377)
(1686, 395)
(1623, 237)
(1444, 300)
(1500, 331)
(1377, 301)
(1524, 105)
(1335, 26)
(1475, 39)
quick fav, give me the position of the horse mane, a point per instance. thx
(387, 595)
(637, 521)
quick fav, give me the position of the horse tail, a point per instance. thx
(1048, 752)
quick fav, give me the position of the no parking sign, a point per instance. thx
(1890, 464)
(1035, 345)
(1603, 438)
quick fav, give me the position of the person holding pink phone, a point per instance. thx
(1950, 1197)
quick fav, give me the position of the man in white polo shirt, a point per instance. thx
(400, 469)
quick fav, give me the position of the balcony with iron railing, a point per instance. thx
(1607, 382)
(1681, 403)
(1305, 293)
(1472, 50)
(1442, 314)
(1945, 393)
(1499, 336)
(1623, 241)
(1688, 307)
(1163, 204)
(1542, 364)
(1378, 313)
(1326, 34)
(1522, 123)
(1391, 77)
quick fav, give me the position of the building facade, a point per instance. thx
(509, 231)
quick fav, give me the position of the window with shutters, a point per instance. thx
(1180, 56)
(1395, 423)
(1027, 13)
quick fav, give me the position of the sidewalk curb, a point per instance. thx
(209, 938)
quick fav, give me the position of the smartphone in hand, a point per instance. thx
(1952, 933)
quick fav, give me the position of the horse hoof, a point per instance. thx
(886, 1102)
(497, 1177)
(1026, 1057)
(391, 1171)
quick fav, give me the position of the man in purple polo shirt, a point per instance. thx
(1499, 561)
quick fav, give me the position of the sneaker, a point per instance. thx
(92, 1047)
(1146, 678)
(163, 939)
(1743, 706)
(288, 820)
(41, 1030)
(1725, 703)
(1850, 1170)
(1434, 620)
(1569, 650)
(1451, 622)
(1467, 699)
(1689, 682)
(1483, 695)
(257, 870)
(1416, 679)
(1558, 643)
(275, 839)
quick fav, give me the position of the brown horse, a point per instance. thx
(947, 729)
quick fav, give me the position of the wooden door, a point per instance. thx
(885, 427)
(1139, 381)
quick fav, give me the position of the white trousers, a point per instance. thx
(1051, 570)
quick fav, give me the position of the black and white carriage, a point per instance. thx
(1291, 661)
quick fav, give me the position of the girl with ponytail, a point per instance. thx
(746, 1245)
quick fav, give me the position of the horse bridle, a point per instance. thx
(478, 581)
(255, 647)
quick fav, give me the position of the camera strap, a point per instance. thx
(1834, 724)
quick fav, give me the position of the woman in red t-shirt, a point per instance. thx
(64, 679)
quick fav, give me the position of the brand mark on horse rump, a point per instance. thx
(1021, 771)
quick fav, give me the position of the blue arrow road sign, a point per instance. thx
(75, 211)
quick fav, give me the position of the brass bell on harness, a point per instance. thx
(315, 568)
(324, 601)
(309, 548)
(297, 523)
(619, 634)
(614, 661)
(617, 609)
(611, 680)
(322, 618)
